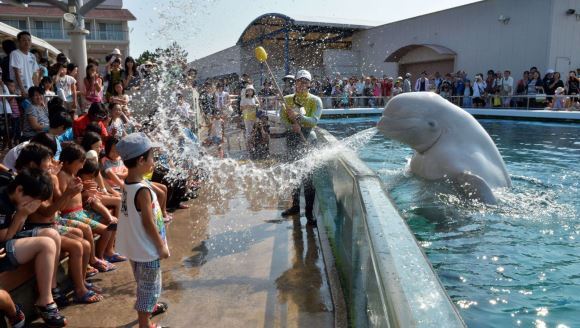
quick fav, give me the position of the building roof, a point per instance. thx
(11, 32)
(271, 25)
(44, 11)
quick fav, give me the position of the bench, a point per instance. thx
(21, 284)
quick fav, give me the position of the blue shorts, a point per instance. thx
(8, 262)
(216, 140)
(148, 279)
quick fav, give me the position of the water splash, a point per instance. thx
(154, 106)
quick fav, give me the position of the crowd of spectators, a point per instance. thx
(62, 178)
(496, 89)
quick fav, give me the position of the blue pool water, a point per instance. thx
(514, 264)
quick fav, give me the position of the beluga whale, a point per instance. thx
(448, 143)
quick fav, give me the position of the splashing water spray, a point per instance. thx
(154, 107)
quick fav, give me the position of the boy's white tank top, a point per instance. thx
(132, 241)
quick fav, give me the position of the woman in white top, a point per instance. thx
(479, 86)
(249, 105)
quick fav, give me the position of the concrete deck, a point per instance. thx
(234, 263)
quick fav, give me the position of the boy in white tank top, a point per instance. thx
(141, 232)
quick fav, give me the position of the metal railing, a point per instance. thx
(47, 33)
(5, 123)
(526, 102)
(108, 35)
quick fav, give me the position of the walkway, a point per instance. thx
(234, 263)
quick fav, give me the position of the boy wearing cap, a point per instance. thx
(141, 232)
(300, 114)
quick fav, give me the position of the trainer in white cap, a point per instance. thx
(303, 74)
(134, 144)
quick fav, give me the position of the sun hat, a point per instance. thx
(116, 51)
(303, 74)
(91, 154)
(408, 75)
(135, 144)
(399, 78)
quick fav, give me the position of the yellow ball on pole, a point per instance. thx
(261, 54)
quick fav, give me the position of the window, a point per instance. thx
(17, 23)
(47, 30)
(110, 31)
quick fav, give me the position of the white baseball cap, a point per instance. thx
(303, 74)
(116, 51)
(550, 71)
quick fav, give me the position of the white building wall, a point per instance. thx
(564, 52)
(345, 62)
(472, 31)
(223, 62)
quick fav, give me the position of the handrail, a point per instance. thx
(516, 101)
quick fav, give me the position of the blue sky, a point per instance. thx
(206, 26)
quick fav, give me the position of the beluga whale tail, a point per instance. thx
(449, 144)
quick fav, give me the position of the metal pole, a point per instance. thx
(286, 52)
(7, 142)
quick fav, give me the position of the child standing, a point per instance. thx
(141, 229)
(217, 133)
(249, 105)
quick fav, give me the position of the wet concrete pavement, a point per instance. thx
(234, 263)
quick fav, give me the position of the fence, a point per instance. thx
(525, 102)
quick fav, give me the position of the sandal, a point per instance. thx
(159, 308)
(91, 271)
(51, 316)
(59, 297)
(103, 266)
(182, 206)
(88, 298)
(167, 218)
(93, 287)
(116, 257)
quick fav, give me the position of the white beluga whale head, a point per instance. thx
(448, 142)
(412, 121)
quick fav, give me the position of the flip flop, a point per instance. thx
(159, 308)
(93, 287)
(91, 271)
(103, 266)
(115, 258)
(88, 298)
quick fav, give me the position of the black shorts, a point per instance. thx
(479, 101)
(9, 261)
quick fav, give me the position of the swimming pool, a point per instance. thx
(514, 264)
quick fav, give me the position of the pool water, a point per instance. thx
(514, 264)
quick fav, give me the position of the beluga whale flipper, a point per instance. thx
(448, 142)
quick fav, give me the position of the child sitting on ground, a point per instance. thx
(142, 235)
(73, 159)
